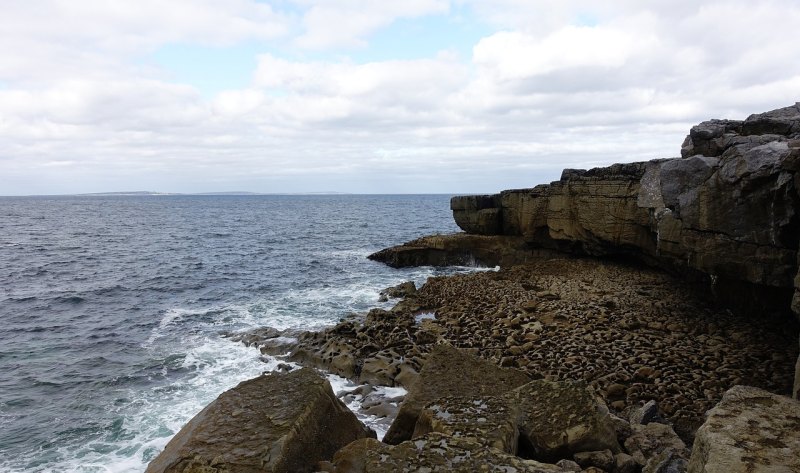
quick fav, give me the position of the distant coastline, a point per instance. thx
(138, 193)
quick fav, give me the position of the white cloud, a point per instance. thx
(50, 39)
(556, 84)
(516, 55)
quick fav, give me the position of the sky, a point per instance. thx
(413, 96)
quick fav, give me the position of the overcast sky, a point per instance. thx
(407, 96)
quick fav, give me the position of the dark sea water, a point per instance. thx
(112, 307)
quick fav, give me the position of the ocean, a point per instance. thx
(112, 307)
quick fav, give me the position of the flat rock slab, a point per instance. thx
(433, 452)
(450, 372)
(557, 420)
(279, 422)
(749, 431)
(490, 421)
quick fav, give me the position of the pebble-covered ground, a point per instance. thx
(633, 333)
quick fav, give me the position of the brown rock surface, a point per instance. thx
(433, 452)
(273, 423)
(749, 431)
(460, 250)
(489, 420)
(450, 372)
(559, 419)
(608, 321)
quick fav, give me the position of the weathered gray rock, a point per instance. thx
(433, 452)
(569, 465)
(558, 420)
(335, 355)
(624, 463)
(666, 462)
(603, 459)
(645, 414)
(654, 441)
(450, 372)
(749, 431)
(274, 423)
(404, 289)
(489, 420)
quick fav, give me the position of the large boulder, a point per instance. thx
(450, 372)
(489, 420)
(749, 431)
(273, 423)
(560, 419)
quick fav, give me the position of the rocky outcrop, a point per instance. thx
(749, 431)
(727, 209)
(465, 425)
(460, 250)
(273, 423)
(450, 372)
(724, 214)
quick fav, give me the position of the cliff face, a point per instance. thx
(726, 210)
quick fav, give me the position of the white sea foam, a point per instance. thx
(170, 316)
(378, 424)
(152, 416)
(212, 364)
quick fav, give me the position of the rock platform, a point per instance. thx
(633, 333)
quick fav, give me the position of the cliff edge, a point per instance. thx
(725, 214)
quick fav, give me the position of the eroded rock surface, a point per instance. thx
(633, 333)
(431, 453)
(749, 431)
(559, 419)
(274, 423)
(450, 372)
(460, 250)
(538, 426)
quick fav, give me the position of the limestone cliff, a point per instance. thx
(727, 209)
(724, 214)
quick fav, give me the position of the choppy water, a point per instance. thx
(111, 307)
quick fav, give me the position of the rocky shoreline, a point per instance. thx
(637, 310)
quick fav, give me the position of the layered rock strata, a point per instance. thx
(273, 423)
(724, 214)
(728, 208)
